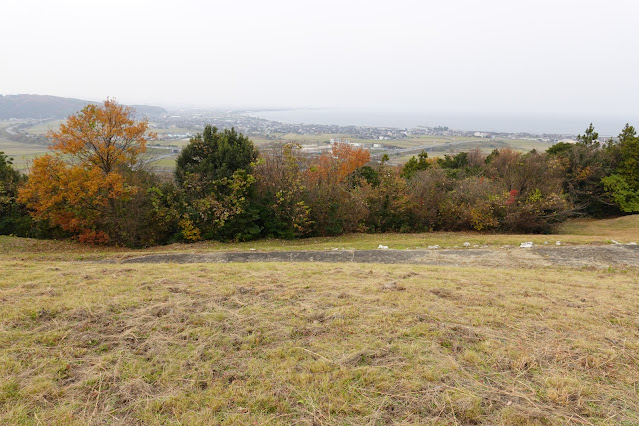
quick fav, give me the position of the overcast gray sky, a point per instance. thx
(541, 56)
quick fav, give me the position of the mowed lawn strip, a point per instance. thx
(316, 344)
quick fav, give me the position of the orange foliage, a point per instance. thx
(104, 136)
(343, 160)
(77, 187)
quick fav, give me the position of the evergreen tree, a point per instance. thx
(415, 164)
(623, 184)
(13, 216)
(589, 138)
(214, 172)
(584, 166)
(215, 155)
(457, 161)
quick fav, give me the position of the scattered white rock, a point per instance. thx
(527, 244)
(476, 245)
(557, 243)
(334, 248)
(382, 247)
(434, 247)
(252, 249)
(632, 244)
(545, 243)
(615, 242)
(466, 244)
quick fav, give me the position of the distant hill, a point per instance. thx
(50, 107)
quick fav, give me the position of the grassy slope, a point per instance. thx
(315, 344)
(620, 229)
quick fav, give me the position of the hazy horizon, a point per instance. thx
(551, 58)
(525, 123)
(502, 123)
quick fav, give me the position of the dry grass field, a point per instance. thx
(316, 344)
(87, 341)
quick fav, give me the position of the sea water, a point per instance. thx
(534, 124)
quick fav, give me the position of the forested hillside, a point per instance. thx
(50, 107)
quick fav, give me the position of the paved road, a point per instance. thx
(573, 256)
(418, 149)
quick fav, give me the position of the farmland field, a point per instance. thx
(44, 127)
(23, 153)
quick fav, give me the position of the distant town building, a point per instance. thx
(340, 140)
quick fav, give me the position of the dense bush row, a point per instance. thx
(222, 189)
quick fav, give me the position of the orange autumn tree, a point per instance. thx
(79, 186)
(335, 206)
(343, 160)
